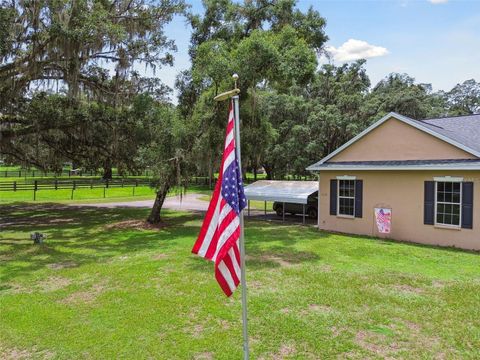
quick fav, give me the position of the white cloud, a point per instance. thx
(354, 49)
(438, 1)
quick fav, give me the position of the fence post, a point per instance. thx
(35, 190)
(73, 188)
(105, 188)
(14, 186)
(56, 184)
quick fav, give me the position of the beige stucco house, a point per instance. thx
(427, 172)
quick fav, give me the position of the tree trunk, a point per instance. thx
(254, 173)
(268, 171)
(210, 175)
(107, 171)
(154, 217)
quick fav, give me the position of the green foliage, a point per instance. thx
(338, 105)
(271, 45)
(464, 98)
(68, 48)
(91, 134)
(162, 152)
(287, 116)
(63, 40)
(212, 63)
(400, 93)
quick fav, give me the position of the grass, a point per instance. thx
(31, 180)
(96, 290)
(9, 168)
(94, 195)
(254, 204)
(79, 195)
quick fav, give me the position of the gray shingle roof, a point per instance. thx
(462, 129)
(472, 164)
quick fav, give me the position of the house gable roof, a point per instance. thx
(461, 132)
(463, 129)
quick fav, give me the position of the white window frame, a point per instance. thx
(345, 178)
(452, 180)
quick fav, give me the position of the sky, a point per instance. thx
(434, 41)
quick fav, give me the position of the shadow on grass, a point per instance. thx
(270, 246)
(77, 236)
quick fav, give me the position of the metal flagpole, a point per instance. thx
(242, 239)
(243, 280)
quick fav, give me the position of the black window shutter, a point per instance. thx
(429, 203)
(358, 198)
(333, 197)
(467, 205)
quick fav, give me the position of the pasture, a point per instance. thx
(103, 285)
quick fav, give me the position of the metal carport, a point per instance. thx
(296, 192)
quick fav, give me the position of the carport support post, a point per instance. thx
(283, 212)
(318, 203)
(303, 214)
(265, 205)
(248, 208)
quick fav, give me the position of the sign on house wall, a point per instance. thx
(383, 217)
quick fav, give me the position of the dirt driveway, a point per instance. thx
(192, 202)
(185, 202)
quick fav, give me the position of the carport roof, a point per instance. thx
(296, 192)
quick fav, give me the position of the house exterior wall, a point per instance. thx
(395, 140)
(403, 192)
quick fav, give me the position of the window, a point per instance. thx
(346, 197)
(448, 203)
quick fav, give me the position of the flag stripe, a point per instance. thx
(235, 263)
(222, 282)
(227, 275)
(212, 229)
(212, 210)
(225, 235)
(227, 260)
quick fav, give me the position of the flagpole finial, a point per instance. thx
(235, 78)
(228, 94)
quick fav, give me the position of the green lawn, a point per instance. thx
(104, 288)
(83, 195)
(111, 194)
(9, 168)
(254, 204)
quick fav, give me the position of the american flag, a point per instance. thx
(381, 216)
(220, 232)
